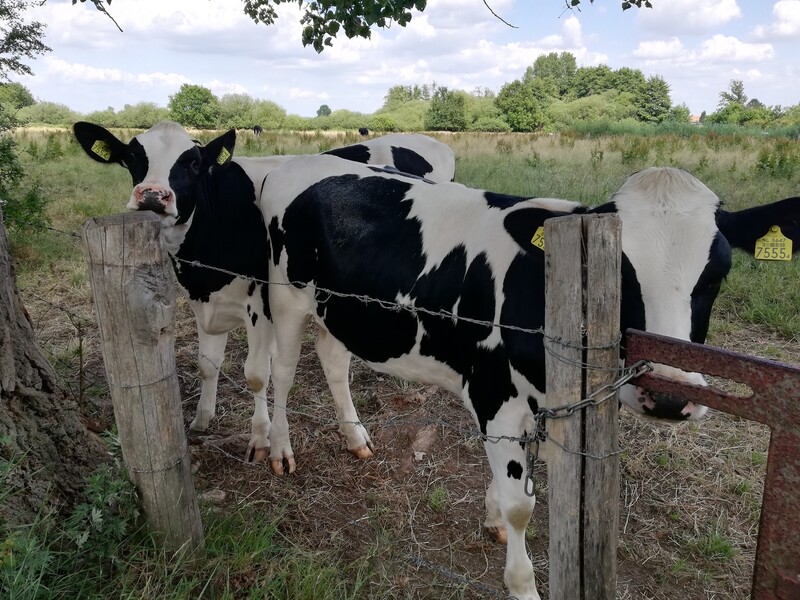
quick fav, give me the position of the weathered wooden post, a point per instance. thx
(134, 298)
(582, 298)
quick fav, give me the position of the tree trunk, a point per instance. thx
(42, 439)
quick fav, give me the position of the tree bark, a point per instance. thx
(45, 450)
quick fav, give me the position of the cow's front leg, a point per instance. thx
(289, 325)
(335, 359)
(507, 460)
(257, 367)
(210, 354)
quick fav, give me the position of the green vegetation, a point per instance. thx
(101, 550)
(553, 95)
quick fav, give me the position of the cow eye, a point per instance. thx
(195, 167)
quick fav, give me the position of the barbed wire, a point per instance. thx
(400, 306)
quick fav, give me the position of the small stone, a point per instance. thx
(213, 496)
(419, 456)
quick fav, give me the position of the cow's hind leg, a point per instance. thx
(210, 354)
(335, 360)
(507, 460)
(257, 366)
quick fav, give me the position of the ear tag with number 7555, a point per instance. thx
(773, 246)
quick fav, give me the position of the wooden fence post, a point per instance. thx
(134, 298)
(582, 328)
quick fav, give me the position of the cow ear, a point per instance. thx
(742, 228)
(219, 151)
(99, 143)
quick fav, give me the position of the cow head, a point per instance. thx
(165, 164)
(676, 243)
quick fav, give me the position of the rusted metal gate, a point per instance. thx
(775, 401)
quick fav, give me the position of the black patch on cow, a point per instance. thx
(136, 161)
(254, 318)
(489, 381)
(522, 225)
(707, 287)
(227, 231)
(514, 469)
(603, 209)
(502, 200)
(523, 307)
(632, 315)
(190, 186)
(533, 404)
(251, 288)
(357, 153)
(409, 161)
(331, 232)
(395, 171)
(439, 290)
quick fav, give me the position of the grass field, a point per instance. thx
(392, 527)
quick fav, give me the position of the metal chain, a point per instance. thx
(597, 397)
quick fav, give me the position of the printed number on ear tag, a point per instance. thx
(101, 149)
(774, 246)
(223, 156)
(538, 238)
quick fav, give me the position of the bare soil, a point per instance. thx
(689, 502)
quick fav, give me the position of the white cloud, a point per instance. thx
(688, 16)
(659, 49)
(785, 21)
(723, 48)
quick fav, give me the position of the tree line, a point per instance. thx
(553, 94)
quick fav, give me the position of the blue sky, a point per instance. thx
(697, 46)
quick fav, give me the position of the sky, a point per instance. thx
(697, 46)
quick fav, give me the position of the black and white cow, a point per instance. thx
(469, 252)
(412, 153)
(207, 201)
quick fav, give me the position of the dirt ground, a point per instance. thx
(689, 501)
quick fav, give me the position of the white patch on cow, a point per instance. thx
(669, 226)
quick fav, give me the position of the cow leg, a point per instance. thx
(494, 524)
(289, 326)
(507, 460)
(257, 366)
(335, 360)
(210, 354)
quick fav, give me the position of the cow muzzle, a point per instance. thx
(161, 201)
(663, 406)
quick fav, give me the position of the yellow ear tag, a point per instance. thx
(774, 246)
(101, 149)
(538, 238)
(223, 156)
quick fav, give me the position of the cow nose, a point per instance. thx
(154, 199)
(669, 406)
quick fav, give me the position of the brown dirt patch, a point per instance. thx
(687, 491)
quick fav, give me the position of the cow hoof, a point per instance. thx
(281, 466)
(257, 455)
(362, 453)
(498, 534)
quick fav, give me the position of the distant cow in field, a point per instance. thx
(464, 252)
(207, 201)
(363, 131)
(257, 130)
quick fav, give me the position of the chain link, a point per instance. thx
(597, 397)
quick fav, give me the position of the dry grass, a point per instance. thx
(689, 502)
